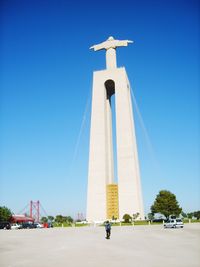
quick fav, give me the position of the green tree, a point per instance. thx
(59, 219)
(166, 204)
(63, 219)
(197, 214)
(135, 216)
(5, 214)
(190, 215)
(44, 220)
(127, 218)
(150, 216)
(184, 214)
(50, 218)
(69, 219)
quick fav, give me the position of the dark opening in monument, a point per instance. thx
(110, 88)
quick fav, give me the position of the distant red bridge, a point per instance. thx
(30, 213)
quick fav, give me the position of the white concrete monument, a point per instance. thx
(107, 199)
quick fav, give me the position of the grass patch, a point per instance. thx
(191, 221)
(81, 224)
(62, 225)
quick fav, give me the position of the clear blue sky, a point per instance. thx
(45, 88)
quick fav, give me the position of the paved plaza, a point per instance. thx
(138, 246)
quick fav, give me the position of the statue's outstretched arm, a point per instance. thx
(110, 43)
(98, 46)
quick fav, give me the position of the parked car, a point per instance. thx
(16, 226)
(5, 225)
(173, 223)
(38, 225)
(28, 225)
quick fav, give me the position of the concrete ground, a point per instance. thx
(138, 246)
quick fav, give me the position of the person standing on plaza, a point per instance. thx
(108, 229)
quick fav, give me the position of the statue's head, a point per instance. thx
(110, 38)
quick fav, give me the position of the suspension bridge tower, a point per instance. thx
(105, 197)
(35, 210)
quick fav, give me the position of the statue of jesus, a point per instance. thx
(110, 46)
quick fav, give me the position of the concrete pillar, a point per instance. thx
(101, 152)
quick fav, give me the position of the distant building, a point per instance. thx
(20, 219)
